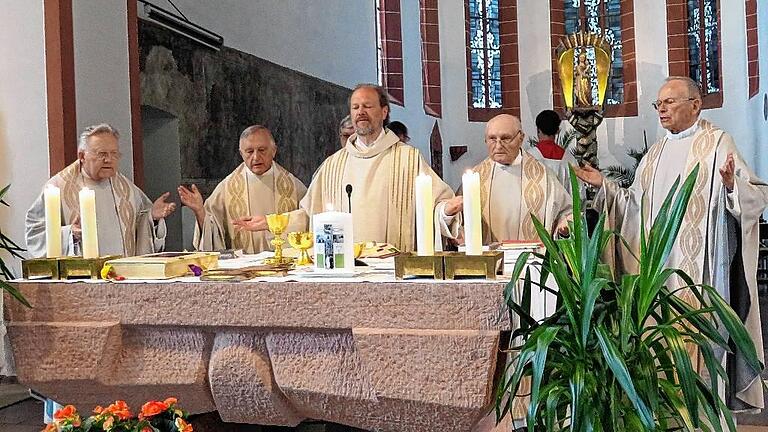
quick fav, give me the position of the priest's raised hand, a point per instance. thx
(588, 174)
(161, 208)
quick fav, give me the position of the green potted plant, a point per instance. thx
(612, 357)
(6, 244)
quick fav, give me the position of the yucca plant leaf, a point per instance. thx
(14, 293)
(736, 330)
(685, 372)
(539, 360)
(615, 361)
(576, 384)
(681, 412)
(590, 296)
(711, 415)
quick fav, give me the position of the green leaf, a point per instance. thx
(539, 360)
(615, 361)
(685, 372)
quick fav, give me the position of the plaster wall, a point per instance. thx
(102, 85)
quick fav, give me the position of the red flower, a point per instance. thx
(119, 409)
(67, 412)
(152, 408)
(170, 401)
(50, 427)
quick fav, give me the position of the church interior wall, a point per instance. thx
(333, 40)
(102, 92)
(23, 107)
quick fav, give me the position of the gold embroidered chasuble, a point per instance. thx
(131, 205)
(232, 199)
(540, 194)
(382, 177)
(718, 239)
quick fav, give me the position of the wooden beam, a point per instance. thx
(135, 86)
(60, 84)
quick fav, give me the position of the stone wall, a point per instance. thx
(215, 95)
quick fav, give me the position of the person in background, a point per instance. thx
(400, 130)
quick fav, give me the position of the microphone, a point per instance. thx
(349, 196)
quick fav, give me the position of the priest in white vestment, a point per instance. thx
(514, 185)
(234, 216)
(380, 171)
(128, 223)
(718, 241)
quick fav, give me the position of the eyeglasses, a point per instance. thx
(669, 101)
(504, 139)
(107, 155)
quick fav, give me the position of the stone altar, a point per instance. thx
(393, 356)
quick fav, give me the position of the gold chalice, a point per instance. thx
(277, 223)
(302, 241)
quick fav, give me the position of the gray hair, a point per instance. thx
(694, 90)
(250, 130)
(345, 121)
(101, 128)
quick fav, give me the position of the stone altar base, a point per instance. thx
(415, 356)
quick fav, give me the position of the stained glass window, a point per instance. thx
(600, 17)
(485, 54)
(703, 45)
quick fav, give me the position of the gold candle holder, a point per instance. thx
(410, 264)
(302, 241)
(485, 265)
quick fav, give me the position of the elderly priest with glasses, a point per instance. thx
(514, 186)
(718, 240)
(128, 223)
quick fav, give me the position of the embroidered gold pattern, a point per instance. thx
(533, 196)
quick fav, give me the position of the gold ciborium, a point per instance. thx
(277, 223)
(302, 241)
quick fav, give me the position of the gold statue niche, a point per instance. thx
(578, 76)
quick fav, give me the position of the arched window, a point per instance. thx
(492, 59)
(430, 57)
(753, 60)
(389, 42)
(614, 19)
(693, 39)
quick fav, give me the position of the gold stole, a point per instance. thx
(533, 202)
(236, 199)
(73, 182)
(404, 165)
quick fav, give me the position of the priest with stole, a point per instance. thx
(234, 216)
(718, 241)
(376, 172)
(128, 222)
(514, 186)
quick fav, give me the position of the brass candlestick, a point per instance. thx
(302, 241)
(277, 223)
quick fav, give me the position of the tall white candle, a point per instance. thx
(90, 240)
(473, 230)
(52, 198)
(425, 213)
(334, 242)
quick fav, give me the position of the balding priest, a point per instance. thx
(234, 216)
(128, 223)
(718, 241)
(514, 185)
(379, 170)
